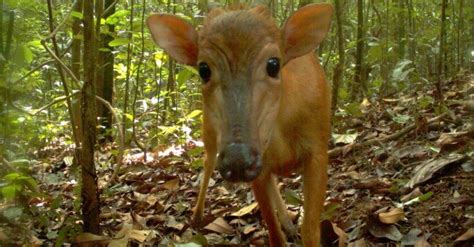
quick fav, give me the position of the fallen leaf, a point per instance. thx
(174, 224)
(219, 225)
(332, 233)
(381, 230)
(141, 235)
(172, 184)
(393, 216)
(245, 210)
(249, 229)
(426, 170)
(422, 243)
(413, 194)
(468, 235)
(89, 238)
(413, 236)
(359, 243)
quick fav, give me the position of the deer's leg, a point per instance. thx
(209, 165)
(314, 191)
(282, 211)
(264, 188)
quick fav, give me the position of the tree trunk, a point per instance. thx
(401, 32)
(108, 91)
(99, 71)
(76, 42)
(339, 69)
(89, 193)
(127, 79)
(358, 83)
(76, 70)
(460, 44)
(1, 29)
(441, 52)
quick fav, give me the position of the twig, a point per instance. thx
(337, 151)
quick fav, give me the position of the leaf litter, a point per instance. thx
(415, 189)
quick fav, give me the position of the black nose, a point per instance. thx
(238, 162)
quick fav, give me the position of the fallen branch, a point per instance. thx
(355, 146)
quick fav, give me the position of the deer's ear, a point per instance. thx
(306, 29)
(176, 36)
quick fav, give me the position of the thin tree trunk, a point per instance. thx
(1, 28)
(460, 50)
(339, 69)
(441, 52)
(62, 76)
(358, 83)
(138, 80)
(108, 93)
(89, 193)
(127, 80)
(401, 31)
(99, 71)
(76, 42)
(76, 69)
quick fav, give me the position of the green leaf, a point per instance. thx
(119, 42)
(77, 15)
(35, 44)
(425, 196)
(117, 16)
(9, 192)
(12, 213)
(329, 211)
(291, 197)
(374, 53)
(194, 114)
(400, 73)
(52, 234)
(401, 119)
(353, 109)
(11, 176)
(425, 101)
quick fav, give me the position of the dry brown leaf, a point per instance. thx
(468, 235)
(141, 235)
(426, 170)
(342, 236)
(249, 229)
(220, 225)
(422, 243)
(393, 216)
(245, 210)
(413, 194)
(89, 238)
(359, 243)
(172, 184)
(380, 230)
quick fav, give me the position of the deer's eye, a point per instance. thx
(273, 67)
(204, 72)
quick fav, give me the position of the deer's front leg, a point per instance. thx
(209, 165)
(264, 188)
(314, 191)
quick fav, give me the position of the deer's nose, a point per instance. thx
(238, 162)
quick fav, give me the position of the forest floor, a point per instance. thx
(403, 175)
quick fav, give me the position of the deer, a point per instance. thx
(265, 105)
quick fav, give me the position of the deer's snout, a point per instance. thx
(238, 162)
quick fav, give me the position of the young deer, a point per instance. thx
(266, 104)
